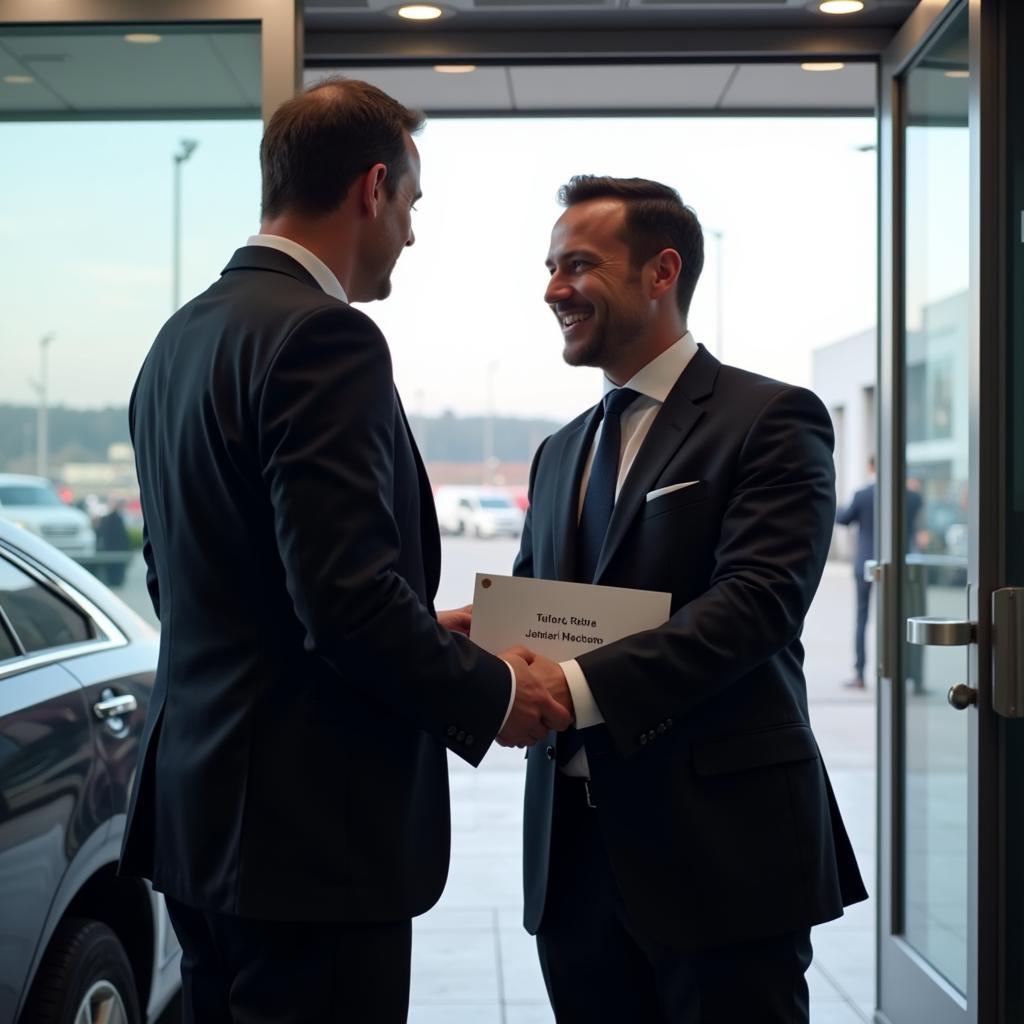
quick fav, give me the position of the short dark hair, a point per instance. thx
(656, 219)
(319, 142)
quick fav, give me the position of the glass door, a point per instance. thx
(939, 829)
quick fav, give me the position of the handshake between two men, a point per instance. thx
(542, 699)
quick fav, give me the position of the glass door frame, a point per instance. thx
(910, 990)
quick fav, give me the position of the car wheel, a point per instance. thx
(84, 978)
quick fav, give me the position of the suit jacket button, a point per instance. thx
(460, 735)
(643, 738)
(469, 739)
(452, 730)
(549, 752)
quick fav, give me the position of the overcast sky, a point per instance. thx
(85, 237)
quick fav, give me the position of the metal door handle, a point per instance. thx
(931, 631)
(110, 706)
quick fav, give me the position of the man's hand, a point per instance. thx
(535, 711)
(457, 620)
(551, 675)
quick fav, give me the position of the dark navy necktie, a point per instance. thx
(597, 513)
(600, 497)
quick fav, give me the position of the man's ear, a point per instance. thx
(665, 269)
(373, 188)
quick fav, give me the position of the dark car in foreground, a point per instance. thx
(78, 944)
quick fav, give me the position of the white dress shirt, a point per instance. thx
(653, 383)
(324, 277)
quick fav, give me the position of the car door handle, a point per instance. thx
(111, 706)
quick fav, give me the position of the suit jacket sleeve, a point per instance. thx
(326, 423)
(850, 514)
(768, 561)
(152, 586)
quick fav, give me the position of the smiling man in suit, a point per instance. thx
(683, 837)
(292, 795)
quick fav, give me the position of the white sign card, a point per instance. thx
(559, 620)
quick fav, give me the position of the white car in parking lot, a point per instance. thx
(477, 512)
(33, 503)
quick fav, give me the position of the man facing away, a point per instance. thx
(292, 795)
(683, 837)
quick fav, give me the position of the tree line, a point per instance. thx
(84, 435)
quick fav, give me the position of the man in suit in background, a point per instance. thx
(683, 837)
(861, 511)
(292, 798)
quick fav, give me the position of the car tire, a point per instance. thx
(85, 964)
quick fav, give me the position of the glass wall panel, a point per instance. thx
(935, 384)
(129, 176)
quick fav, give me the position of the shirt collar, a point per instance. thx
(316, 267)
(658, 377)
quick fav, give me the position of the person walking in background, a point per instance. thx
(681, 840)
(112, 540)
(861, 513)
(292, 794)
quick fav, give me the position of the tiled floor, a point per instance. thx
(471, 959)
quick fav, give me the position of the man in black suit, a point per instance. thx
(682, 839)
(292, 795)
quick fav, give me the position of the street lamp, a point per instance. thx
(489, 460)
(42, 389)
(719, 237)
(188, 147)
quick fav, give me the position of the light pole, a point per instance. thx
(42, 389)
(188, 147)
(719, 237)
(489, 425)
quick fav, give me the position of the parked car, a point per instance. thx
(77, 943)
(33, 502)
(480, 511)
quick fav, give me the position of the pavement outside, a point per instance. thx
(472, 961)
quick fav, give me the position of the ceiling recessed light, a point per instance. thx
(841, 6)
(143, 38)
(959, 73)
(822, 65)
(18, 79)
(454, 69)
(420, 12)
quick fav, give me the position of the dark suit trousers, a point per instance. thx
(240, 971)
(599, 970)
(863, 599)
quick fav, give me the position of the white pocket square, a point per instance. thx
(651, 495)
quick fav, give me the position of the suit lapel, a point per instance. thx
(670, 428)
(575, 449)
(429, 533)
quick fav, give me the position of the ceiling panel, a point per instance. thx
(613, 87)
(423, 88)
(788, 87)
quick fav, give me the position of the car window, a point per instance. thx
(26, 495)
(40, 618)
(7, 648)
